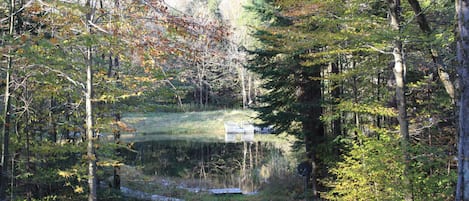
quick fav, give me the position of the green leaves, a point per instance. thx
(372, 170)
(371, 109)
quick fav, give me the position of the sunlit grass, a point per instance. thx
(195, 126)
(209, 122)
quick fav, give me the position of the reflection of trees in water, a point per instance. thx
(209, 164)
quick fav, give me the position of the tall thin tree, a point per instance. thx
(91, 155)
(462, 11)
(399, 70)
(7, 110)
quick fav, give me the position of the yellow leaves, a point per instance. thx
(20, 51)
(373, 109)
(67, 174)
(106, 98)
(145, 79)
(89, 157)
(109, 163)
(78, 189)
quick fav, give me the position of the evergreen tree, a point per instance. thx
(293, 99)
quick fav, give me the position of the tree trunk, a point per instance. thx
(243, 171)
(117, 117)
(336, 93)
(7, 113)
(399, 74)
(91, 155)
(462, 188)
(243, 84)
(109, 70)
(356, 115)
(250, 100)
(92, 181)
(52, 123)
(441, 67)
(6, 134)
(310, 95)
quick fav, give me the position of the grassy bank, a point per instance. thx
(197, 126)
(209, 122)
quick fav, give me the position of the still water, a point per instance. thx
(207, 165)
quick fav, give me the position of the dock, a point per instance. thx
(235, 132)
(223, 191)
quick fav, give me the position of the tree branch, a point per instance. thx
(378, 50)
(64, 75)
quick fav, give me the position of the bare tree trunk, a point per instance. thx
(52, 124)
(243, 171)
(462, 188)
(241, 72)
(400, 90)
(91, 155)
(311, 93)
(89, 131)
(250, 101)
(7, 113)
(117, 117)
(399, 74)
(207, 92)
(378, 95)
(336, 92)
(356, 115)
(6, 134)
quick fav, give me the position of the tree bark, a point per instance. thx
(91, 155)
(7, 112)
(399, 71)
(242, 76)
(462, 188)
(117, 118)
(336, 93)
(309, 94)
(250, 100)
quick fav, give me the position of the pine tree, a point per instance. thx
(293, 101)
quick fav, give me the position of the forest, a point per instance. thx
(366, 99)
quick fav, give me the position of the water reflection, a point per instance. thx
(206, 165)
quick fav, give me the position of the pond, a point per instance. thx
(210, 164)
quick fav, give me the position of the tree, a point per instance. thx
(435, 53)
(293, 82)
(7, 109)
(462, 11)
(400, 77)
(374, 92)
(91, 155)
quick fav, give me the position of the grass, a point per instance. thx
(193, 123)
(198, 126)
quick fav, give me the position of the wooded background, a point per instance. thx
(369, 88)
